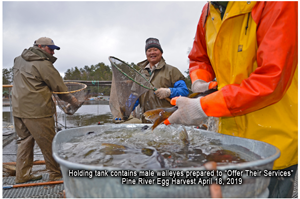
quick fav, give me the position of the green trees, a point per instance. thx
(6, 80)
(94, 73)
(98, 72)
(6, 76)
(73, 74)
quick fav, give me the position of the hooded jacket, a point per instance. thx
(163, 76)
(253, 53)
(34, 80)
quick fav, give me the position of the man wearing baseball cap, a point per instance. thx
(46, 42)
(34, 80)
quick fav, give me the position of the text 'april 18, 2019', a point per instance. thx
(166, 178)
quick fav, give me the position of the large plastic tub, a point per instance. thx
(110, 187)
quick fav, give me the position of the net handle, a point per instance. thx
(67, 92)
(112, 57)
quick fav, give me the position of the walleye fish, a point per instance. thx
(115, 149)
(184, 137)
(157, 116)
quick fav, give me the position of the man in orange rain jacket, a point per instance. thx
(251, 48)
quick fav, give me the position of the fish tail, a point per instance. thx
(158, 121)
(183, 135)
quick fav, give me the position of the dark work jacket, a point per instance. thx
(163, 76)
(34, 80)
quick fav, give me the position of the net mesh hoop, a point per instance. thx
(112, 62)
(67, 92)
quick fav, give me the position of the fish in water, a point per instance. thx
(157, 116)
(183, 136)
(150, 151)
(145, 127)
(225, 156)
(115, 149)
(113, 146)
(147, 151)
(91, 132)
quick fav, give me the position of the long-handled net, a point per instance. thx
(128, 84)
(75, 90)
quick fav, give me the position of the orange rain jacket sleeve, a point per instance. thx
(277, 59)
(200, 67)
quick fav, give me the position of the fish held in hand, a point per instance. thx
(157, 116)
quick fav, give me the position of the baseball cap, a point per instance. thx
(47, 42)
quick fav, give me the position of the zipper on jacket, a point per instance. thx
(247, 23)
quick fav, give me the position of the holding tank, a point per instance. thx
(160, 163)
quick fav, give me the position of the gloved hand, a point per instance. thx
(189, 112)
(162, 93)
(201, 86)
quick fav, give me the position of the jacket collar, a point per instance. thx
(144, 63)
(239, 7)
(36, 50)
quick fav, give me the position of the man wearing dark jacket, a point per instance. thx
(34, 80)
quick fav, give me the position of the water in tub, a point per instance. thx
(135, 148)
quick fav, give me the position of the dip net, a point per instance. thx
(75, 89)
(128, 84)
